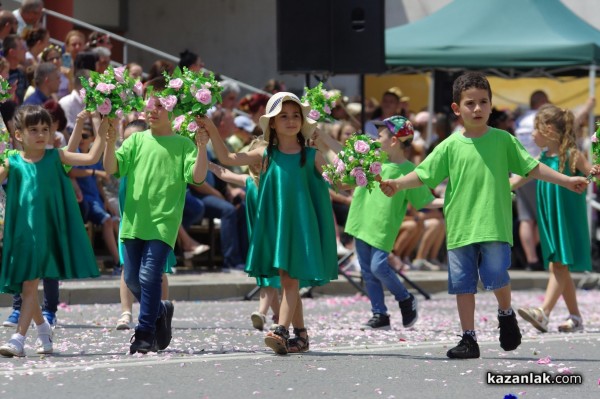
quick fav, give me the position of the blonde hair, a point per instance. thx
(562, 123)
(258, 142)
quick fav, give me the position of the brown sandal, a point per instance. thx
(278, 340)
(298, 344)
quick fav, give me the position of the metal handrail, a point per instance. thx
(141, 46)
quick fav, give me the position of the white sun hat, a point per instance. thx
(273, 108)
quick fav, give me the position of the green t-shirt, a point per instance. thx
(477, 204)
(158, 169)
(375, 218)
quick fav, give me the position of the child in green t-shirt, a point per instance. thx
(477, 206)
(158, 165)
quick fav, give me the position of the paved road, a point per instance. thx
(216, 354)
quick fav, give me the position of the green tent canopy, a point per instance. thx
(537, 36)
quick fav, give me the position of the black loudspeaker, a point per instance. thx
(335, 36)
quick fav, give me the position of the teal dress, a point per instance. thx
(44, 234)
(251, 205)
(562, 222)
(293, 230)
(171, 259)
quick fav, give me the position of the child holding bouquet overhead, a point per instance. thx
(477, 207)
(562, 217)
(374, 220)
(158, 165)
(293, 234)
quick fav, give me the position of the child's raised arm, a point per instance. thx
(110, 160)
(75, 138)
(223, 154)
(201, 164)
(228, 176)
(92, 157)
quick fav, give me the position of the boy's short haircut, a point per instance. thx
(138, 124)
(470, 80)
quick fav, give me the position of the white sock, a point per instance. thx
(18, 337)
(44, 328)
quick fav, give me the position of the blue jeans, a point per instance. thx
(50, 296)
(377, 272)
(144, 267)
(216, 207)
(193, 210)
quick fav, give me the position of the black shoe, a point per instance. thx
(535, 267)
(163, 326)
(467, 348)
(510, 334)
(379, 321)
(408, 308)
(142, 342)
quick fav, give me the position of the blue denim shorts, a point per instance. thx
(96, 213)
(486, 260)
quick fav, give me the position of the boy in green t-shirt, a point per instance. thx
(477, 207)
(158, 165)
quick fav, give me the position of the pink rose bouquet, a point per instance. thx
(5, 93)
(595, 148)
(189, 94)
(112, 93)
(358, 164)
(321, 103)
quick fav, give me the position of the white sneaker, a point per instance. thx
(258, 320)
(200, 249)
(12, 348)
(43, 344)
(536, 317)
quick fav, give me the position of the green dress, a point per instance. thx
(44, 234)
(251, 205)
(562, 222)
(293, 230)
(171, 259)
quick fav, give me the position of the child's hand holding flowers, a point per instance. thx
(321, 103)
(188, 95)
(359, 163)
(113, 93)
(595, 154)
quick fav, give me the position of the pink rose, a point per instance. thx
(594, 138)
(375, 168)
(82, 94)
(138, 88)
(105, 107)
(2, 147)
(178, 121)
(340, 167)
(336, 160)
(176, 83)
(314, 114)
(206, 85)
(119, 113)
(119, 74)
(168, 102)
(361, 147)
(356, 171)
(203, 96)
(326, 94)
(326, 177)
(327, 109)
(151, 104)
(192, 127)
(105, 88)
(123, 96)
(361, 179)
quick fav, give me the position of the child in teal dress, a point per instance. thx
(269, 286)
(562, 218)
(44, 233)
(293, 236)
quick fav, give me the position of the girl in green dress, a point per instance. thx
(562, 218)
(44, 233)
(293, 235)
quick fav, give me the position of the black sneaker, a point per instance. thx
(510, 334)
(408, 308)
(467, 348)
(142, 342)
(163, 326)
(379, 321)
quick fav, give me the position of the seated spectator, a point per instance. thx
(59, 123)
(254, 105)
(158, 67)
(74, 44)
(95, 203)
(53, 54)
(85, 60)
(47, 81)
(72, 103)
(243, 133)
(274, 86)
(434, 233)
(98, 39)
(135, 70)
(191, 61)
(14, 49)
(230, 93)
(103, 58)
(37, 40)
